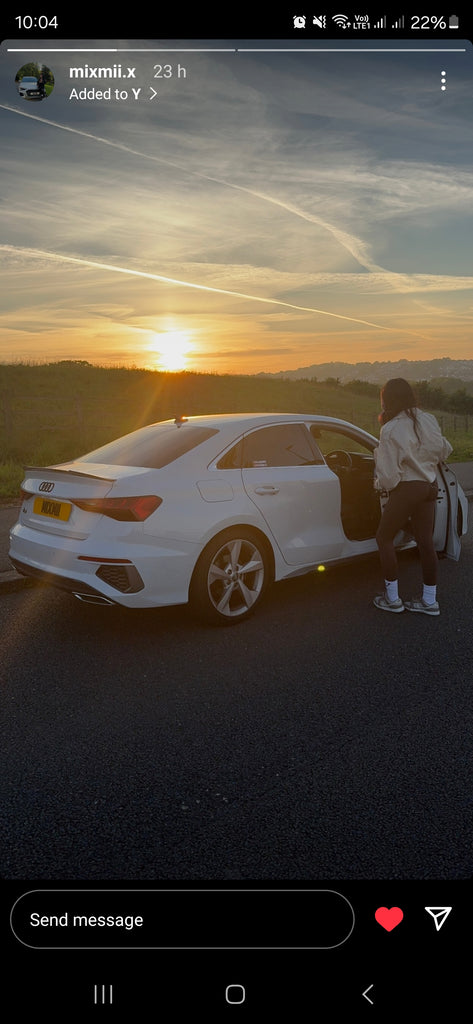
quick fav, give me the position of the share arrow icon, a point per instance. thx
(439, 915)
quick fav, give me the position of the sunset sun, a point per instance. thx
(171, 349)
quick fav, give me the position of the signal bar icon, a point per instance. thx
(381, 23)
(399, 23)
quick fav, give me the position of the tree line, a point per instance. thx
(429, 396)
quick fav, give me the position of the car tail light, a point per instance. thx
(127, 510)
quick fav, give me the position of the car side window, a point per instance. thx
(281, 445)
(233, 458)
(330, 440)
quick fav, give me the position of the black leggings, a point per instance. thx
(414, 498)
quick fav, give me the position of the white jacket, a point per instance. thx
(400, 454)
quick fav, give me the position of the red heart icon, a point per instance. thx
(389, 918)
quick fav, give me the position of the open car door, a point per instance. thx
(448, 514)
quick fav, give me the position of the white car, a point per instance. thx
(210, 510)
(26, 84)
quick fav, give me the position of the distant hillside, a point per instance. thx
(460, 370)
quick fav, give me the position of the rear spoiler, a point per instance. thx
(71, 472)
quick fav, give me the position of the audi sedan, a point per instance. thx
(210, 510)
(26, 85)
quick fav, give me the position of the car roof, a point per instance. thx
(248, 420)
(232, 425)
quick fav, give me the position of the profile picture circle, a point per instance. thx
(34, 82)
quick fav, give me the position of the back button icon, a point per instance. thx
(368, 997)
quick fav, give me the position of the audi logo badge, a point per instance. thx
(46, 486)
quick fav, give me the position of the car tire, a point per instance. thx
(230, 577)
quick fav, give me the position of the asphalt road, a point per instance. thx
(320, 739)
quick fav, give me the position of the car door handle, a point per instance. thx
(269, 489)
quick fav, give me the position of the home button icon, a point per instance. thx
(235, 994)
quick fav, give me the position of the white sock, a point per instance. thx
(391, 590)
(429, 595)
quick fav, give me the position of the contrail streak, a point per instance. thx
(350, 243)
(61, 258)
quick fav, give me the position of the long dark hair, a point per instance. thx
(397, 396)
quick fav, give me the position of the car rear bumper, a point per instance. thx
(147, 576)
(79, 589)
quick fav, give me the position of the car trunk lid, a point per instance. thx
(49, 492)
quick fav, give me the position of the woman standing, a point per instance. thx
(410, 447)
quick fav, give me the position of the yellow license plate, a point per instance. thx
(52, 509)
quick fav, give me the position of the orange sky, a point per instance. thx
(272, 211)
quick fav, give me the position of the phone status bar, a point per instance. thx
(366, 22)
(297, 21)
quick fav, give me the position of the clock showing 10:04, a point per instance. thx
(28, 21)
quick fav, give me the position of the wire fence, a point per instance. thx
(49, 413)
(449, 422)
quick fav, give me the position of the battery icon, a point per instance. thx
(453, 21)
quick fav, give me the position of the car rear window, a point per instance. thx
(151, 447)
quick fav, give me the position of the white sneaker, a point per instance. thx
(382, 601)
(421, 606)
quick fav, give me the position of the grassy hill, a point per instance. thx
(54, 412)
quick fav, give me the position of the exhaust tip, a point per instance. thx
(92, 599)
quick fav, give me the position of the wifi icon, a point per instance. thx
(341, 20)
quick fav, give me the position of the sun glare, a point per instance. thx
(171, 349)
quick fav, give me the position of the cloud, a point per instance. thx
(80, 261)
(264, 193)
